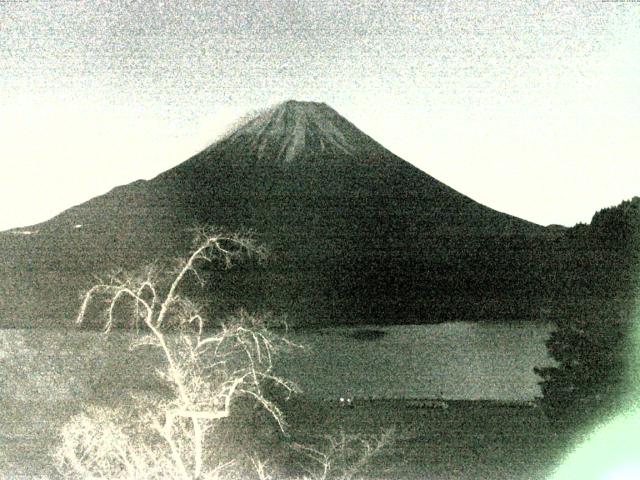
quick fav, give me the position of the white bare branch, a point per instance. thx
(206, 373)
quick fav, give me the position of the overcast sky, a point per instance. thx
(529, 107)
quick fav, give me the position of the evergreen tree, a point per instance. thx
(592, 329)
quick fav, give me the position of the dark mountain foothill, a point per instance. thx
(356, 234)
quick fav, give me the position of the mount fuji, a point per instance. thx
(356, 234)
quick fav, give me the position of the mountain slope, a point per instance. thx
(357, 233)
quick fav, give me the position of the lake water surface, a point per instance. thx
(457, 360)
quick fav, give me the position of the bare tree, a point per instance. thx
(344, 456)
(205, 372)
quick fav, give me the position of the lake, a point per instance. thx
(457, 360)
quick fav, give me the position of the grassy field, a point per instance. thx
(468, 440)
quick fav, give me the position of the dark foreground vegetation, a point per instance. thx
(468, 440)
(596, 318)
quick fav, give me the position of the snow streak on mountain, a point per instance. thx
(288, 130)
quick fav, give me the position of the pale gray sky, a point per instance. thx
(530, 107)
